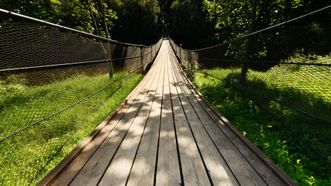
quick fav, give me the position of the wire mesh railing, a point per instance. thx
(54, 90)
(28, 43)
(275, 86)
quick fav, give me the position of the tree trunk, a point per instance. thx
(251, 41)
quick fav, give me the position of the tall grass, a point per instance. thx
(264, 110)
(26, 158)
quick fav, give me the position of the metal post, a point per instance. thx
(180, 52)
(151, 54)
(110, 68)
(142, 60)
(190, 61)
(110, 63)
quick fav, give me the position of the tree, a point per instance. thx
(85, 15)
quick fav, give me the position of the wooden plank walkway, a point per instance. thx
(166, 134)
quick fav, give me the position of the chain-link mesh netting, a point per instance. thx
(55, 89)
(309, 76)
(28, 43)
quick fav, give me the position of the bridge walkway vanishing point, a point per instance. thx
(166, 134)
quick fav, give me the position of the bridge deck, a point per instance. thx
(166, 134)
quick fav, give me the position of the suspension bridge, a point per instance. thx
(164, 133)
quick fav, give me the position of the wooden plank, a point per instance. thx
(119, 169)
(69, 167)
(94, 169)
(168, 170)
(217, 168)
(143, 169)
(193, 170)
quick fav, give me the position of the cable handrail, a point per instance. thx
(69, 29)
(267, 62)
(69, 64)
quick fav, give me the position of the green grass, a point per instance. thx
(28, 157)
(262, 111)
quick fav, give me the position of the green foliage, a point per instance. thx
(28, 157)
(234, 18)
(298, 144)
(135, 21)
(68, 13)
